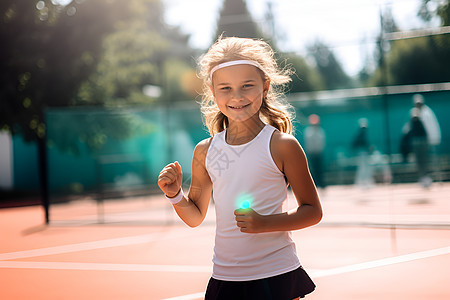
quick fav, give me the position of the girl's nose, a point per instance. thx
(236, 94)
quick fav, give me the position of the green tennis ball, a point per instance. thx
(244, 201)
(245, 204)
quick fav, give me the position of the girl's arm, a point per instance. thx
(291, 160)
(193, 207)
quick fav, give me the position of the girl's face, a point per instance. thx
(239, 91)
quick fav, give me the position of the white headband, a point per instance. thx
(233, 63)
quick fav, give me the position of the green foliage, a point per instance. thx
(98, 52)
(47, 51)
(135, 55)
(329, 68)
(417, 60)
(443, 12)
(306, 78)
(128, 63)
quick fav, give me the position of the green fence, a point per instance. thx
(93, 149)
(387, 113)
(101, 150)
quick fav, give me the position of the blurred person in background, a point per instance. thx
(364, 176)
(315, 145)
(428, 119)
(419, 145)
(425, 151)
(380, 165)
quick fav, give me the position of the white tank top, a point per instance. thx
(247, 173)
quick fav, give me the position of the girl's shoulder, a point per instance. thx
(204, 143)
(284, 141)
(201, 149)
(284, 148)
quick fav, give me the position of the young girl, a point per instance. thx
(247, 164)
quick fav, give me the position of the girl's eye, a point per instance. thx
(247, 86)
(225, 88)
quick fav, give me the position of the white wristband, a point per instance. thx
(177, 198)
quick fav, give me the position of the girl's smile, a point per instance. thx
(239, 107)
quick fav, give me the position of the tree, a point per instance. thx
(135, 55)
(235, 20)
(329, 67)
(306, 78)
(417, 60)
(443, 12)
(47, 51)
(388, 25)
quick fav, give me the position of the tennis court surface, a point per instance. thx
(389, 242)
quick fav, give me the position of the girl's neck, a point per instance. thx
(239, 133)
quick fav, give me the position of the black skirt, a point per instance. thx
(286, 286)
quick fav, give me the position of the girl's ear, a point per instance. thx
(266, 87)
(212, 90)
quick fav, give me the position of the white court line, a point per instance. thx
(381, 262)
(189, 297)
(104, 267)
(353, 268)
(125, 241)
(197, 269)
(413, 217)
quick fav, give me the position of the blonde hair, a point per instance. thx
(273, 110)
